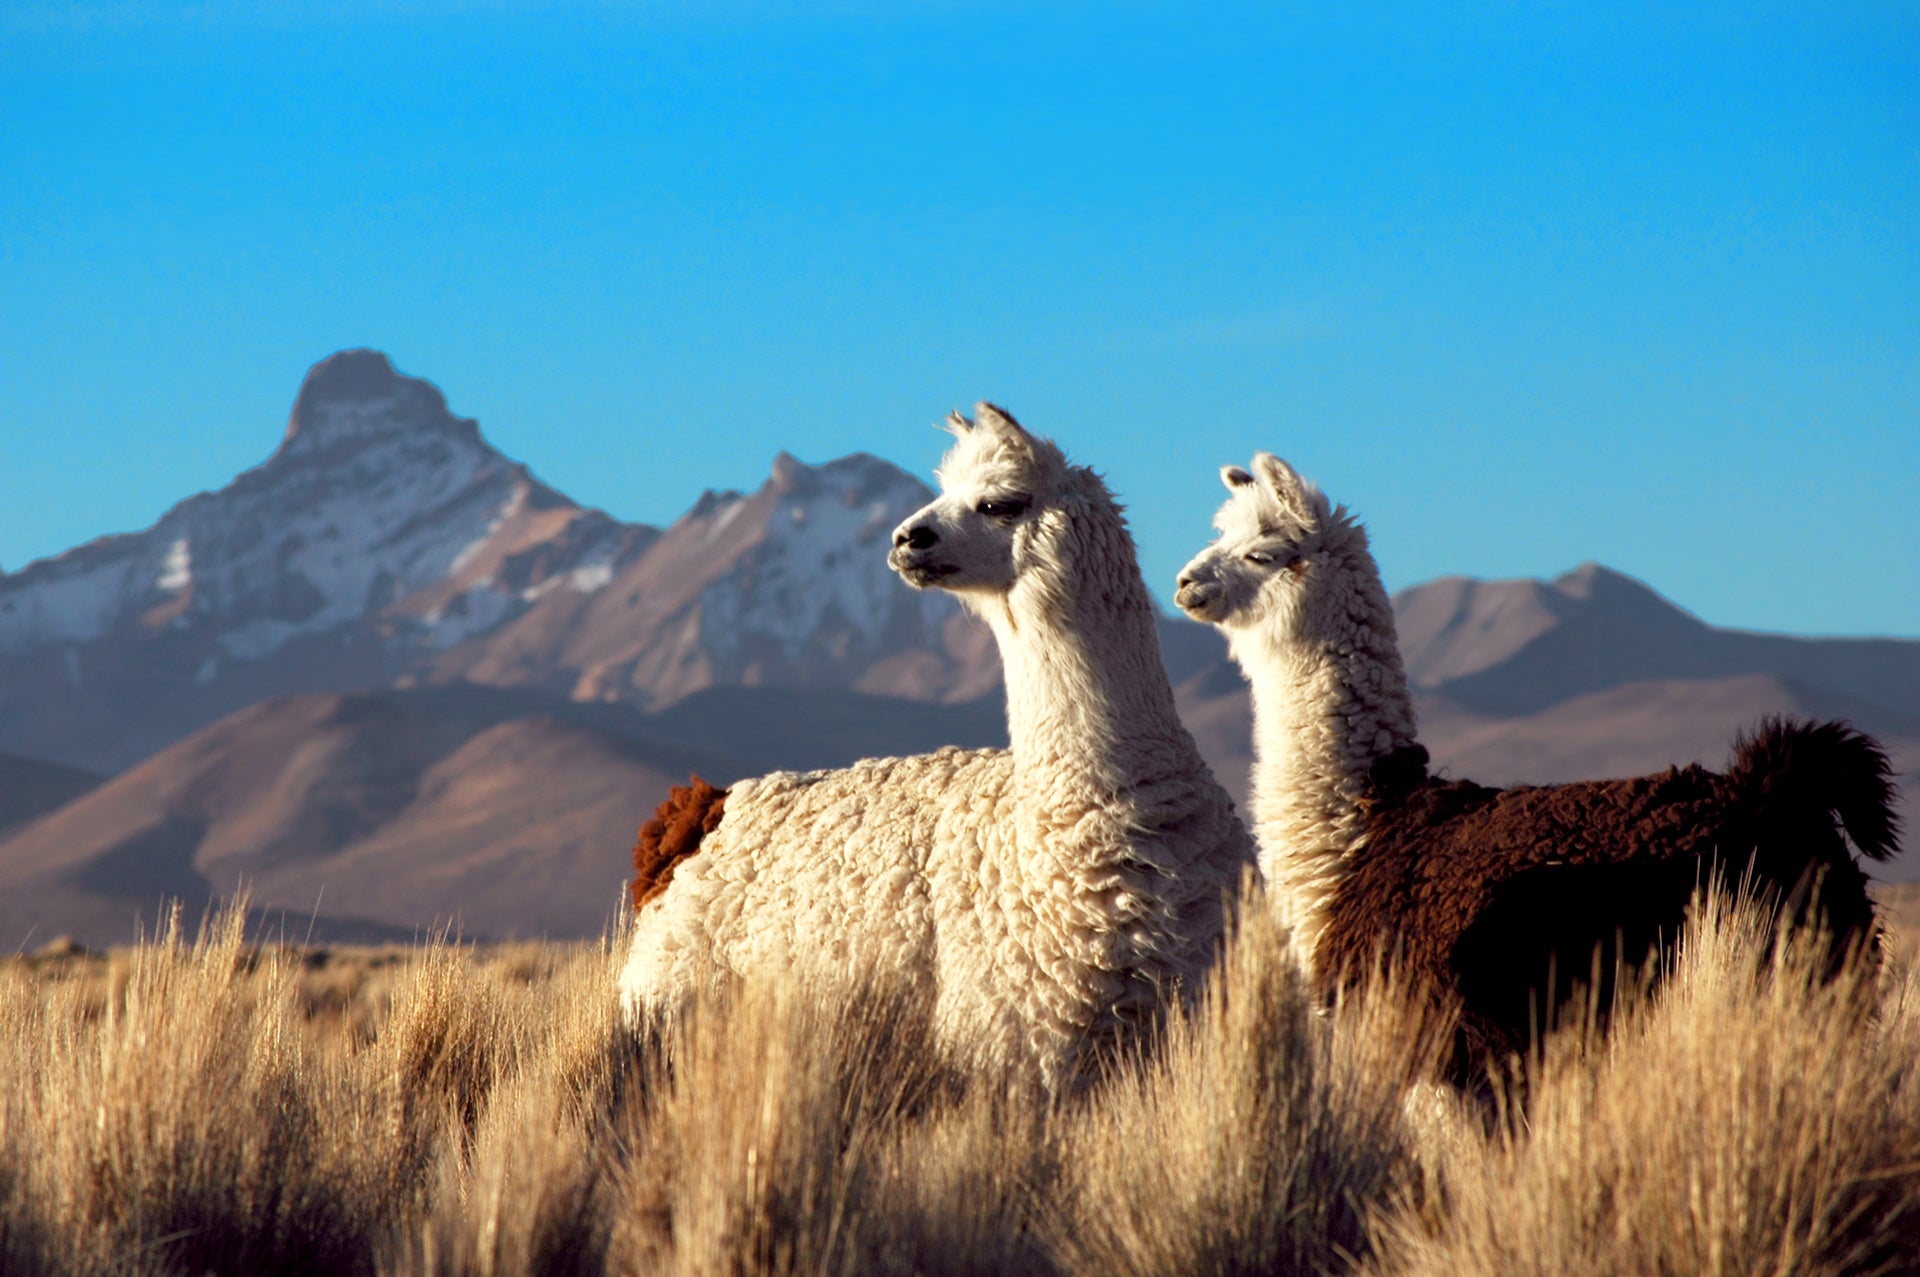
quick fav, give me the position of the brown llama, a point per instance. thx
(1501, 901)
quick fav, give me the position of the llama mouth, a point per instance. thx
(922, 574)
(917, 571)
(1196, 601)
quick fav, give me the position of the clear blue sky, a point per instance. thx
(1526, 284)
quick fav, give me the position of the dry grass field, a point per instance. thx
(199, 1105)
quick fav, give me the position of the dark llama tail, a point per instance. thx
(1800, 776)
(690, 813)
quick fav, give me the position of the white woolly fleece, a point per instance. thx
(826, 874)
(1056, 895)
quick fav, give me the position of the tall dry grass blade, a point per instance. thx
(959, 1188)
(529, 1192)
(186, 1125)
(1258, 1138)
(782, 1124)
(529, 1199)
(1749, 1118)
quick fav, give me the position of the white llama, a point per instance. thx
(1292, 585)
(1051, 897)
(1486, 895)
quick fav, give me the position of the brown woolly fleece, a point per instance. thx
(690, 813)
(1490, 894)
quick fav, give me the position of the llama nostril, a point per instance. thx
(1186, 580)
(915, 538)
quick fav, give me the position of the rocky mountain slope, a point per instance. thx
(1518, 647)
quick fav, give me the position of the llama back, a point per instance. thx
(817, 872)
(1438, 853)
(1480, 889)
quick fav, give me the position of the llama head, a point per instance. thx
(1004, 497)
(1282, 557)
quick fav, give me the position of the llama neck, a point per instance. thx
(1116, 822)
(1090, 714)
(1325, 710)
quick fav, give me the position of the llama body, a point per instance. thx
(827, 874)
(1481, 892)
(1052, 897)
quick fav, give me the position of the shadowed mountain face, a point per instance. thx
(392, 680)
(31, 787)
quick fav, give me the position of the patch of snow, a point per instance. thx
(176, 570)
(465, 615)
(586, 578)
(589, 577)
(514, 505)
(473, 547)
(824, 562)
(70, 601)
(728, 514)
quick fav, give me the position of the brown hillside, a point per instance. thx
(507, 812)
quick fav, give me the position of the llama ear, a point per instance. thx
(957, 425)
(1283, 483)
(1234, 477)
(993, 417)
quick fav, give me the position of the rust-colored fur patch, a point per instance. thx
(690, 813)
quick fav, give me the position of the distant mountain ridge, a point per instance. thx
(508, 811)
(392, 680)
(1515, 647)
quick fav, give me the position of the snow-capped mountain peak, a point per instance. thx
(820, 567)
(384, 542)
(377, 493)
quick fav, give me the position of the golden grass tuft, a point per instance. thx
(195, 1106)
(1748, 1118)
(1254, 1139)
(185, 1122)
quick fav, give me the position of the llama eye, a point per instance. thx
(1006, 508)
(1258, 556)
